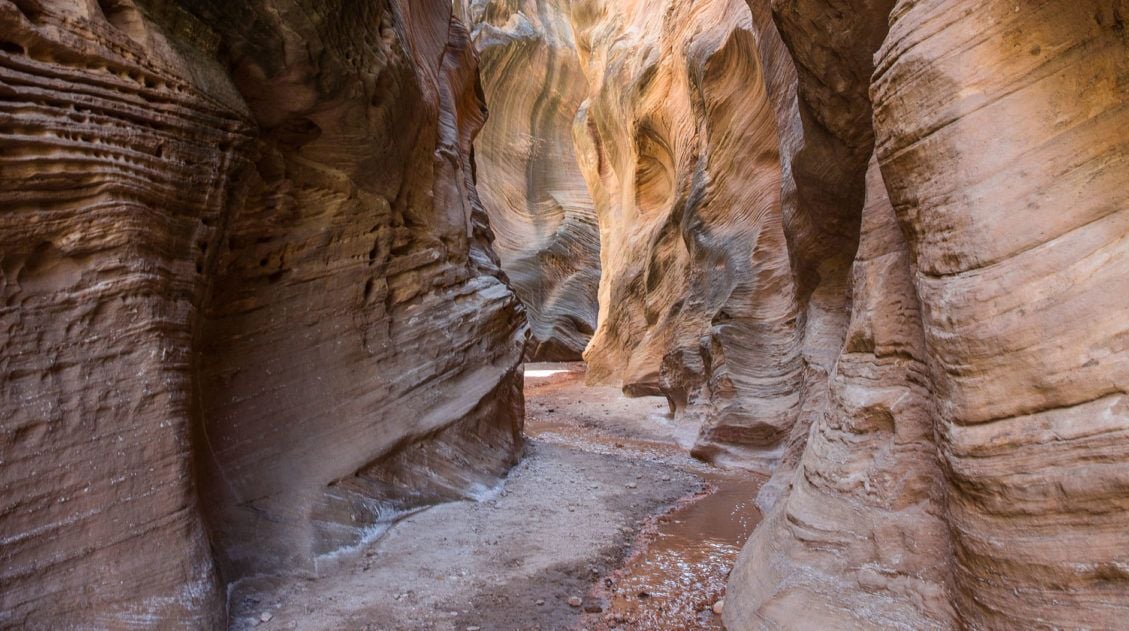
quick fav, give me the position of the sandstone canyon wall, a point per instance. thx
(250, 307)
(529, 178)
(923, 341)
(878, 248)
(682, 152)
(968, 468)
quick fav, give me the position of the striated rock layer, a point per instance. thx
(968, 467)
(923, 340)
(248, 296)
(682, 153)
(1020, 243)
(529, 178)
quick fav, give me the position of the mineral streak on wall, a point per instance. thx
(248, 296)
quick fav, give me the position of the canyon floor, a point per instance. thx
(605, 507)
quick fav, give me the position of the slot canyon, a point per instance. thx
(635, 315)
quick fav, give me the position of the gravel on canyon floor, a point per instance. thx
(606, 523)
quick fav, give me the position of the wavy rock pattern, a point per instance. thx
(1020, 242)
(856, 540)
(226, 263)
(878, 247)
(683, 157)
(967, 467)
(529, 177)
(878, 351)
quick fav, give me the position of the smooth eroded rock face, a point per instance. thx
(1020, 243)
(968, 466)
(530, 181)
(682, 152)
(858, 539)
(248, 291)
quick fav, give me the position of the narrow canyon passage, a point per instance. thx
(606, 507)
(836, 294)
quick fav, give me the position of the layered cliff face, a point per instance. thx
(682, 153)
(529, 179)
(885, 330)
(117, 172)
(1020, 243)
(248, 296)
(968, 466)
(361, 230)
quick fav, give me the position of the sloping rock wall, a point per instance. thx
(683, 156)
(248, 296)
(529, 179)
(966, 468)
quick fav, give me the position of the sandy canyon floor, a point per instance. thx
(606, 510)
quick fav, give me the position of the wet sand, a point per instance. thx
(607, 507)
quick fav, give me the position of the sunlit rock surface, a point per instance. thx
(528, 176)
(698, 299)
(924, 341)
(248, 296)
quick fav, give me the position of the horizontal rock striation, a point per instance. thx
(529, 179)
(248, 296)
(964, 470)
(360, 231)
(117, 170)
(1020, 242)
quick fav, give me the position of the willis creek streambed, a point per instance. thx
(606, 507)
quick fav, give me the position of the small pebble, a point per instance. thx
(265, 616)
(575, 601)
(719, 606)
(631, 485)
(539, 602)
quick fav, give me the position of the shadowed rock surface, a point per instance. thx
(243, 261)
(529, 179)
(878, 249)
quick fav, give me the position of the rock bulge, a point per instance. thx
(248, 296)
